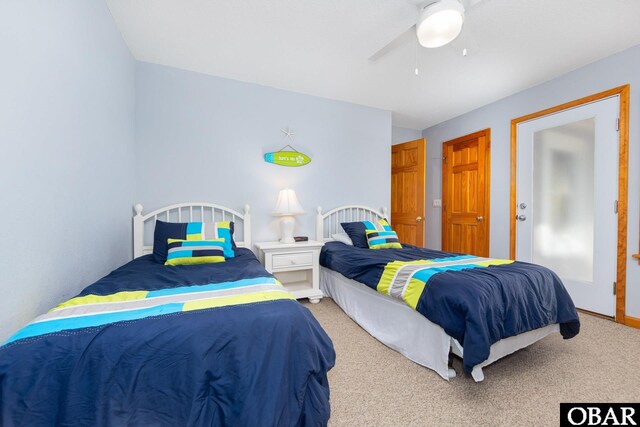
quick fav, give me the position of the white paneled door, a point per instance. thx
(567, 186)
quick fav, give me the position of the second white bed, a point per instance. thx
(394, 323)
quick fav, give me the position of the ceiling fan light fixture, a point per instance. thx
(440, 23)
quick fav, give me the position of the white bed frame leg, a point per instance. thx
(477, 374)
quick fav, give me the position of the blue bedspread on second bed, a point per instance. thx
(250, 364)
(476, 306)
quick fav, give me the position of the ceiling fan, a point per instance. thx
(439, 22)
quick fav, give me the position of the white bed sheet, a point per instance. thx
(405, 330)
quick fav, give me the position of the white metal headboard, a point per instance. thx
(329, 223)
(143, 225)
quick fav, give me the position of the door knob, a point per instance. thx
(521, 217)
(523, 206)
(479, 218)
(419, 219)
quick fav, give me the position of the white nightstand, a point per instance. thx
(295, 265)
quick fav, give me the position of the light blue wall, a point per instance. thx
(203, 138)
(66, 143)
(613, 71)
(400, 135)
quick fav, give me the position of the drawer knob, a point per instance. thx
(293, 261)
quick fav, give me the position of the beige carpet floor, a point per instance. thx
(373, 385)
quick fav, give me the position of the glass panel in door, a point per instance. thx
(563, 188)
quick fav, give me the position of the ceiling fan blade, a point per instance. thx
(405, 37)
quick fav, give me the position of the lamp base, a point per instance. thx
(286, 229)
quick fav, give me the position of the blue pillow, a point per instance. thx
(163, 232)
(357, 233)
(191, 231)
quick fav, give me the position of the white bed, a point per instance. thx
(145, 359)
(386, 318)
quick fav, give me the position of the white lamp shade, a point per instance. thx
(440, 23)
(287, 204)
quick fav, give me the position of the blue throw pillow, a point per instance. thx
(163, 232)
(357, 233)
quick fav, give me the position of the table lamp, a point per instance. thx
(286, 207)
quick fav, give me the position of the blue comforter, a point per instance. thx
(249, 364)
(476, 306)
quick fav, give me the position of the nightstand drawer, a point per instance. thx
(299, 259)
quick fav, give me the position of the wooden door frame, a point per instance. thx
(623, 178)
(486, 134)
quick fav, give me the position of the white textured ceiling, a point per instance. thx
(321, 47)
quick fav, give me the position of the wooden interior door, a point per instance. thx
(408, 166)
(465, 194)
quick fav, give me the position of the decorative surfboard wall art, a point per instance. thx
(283, 157)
